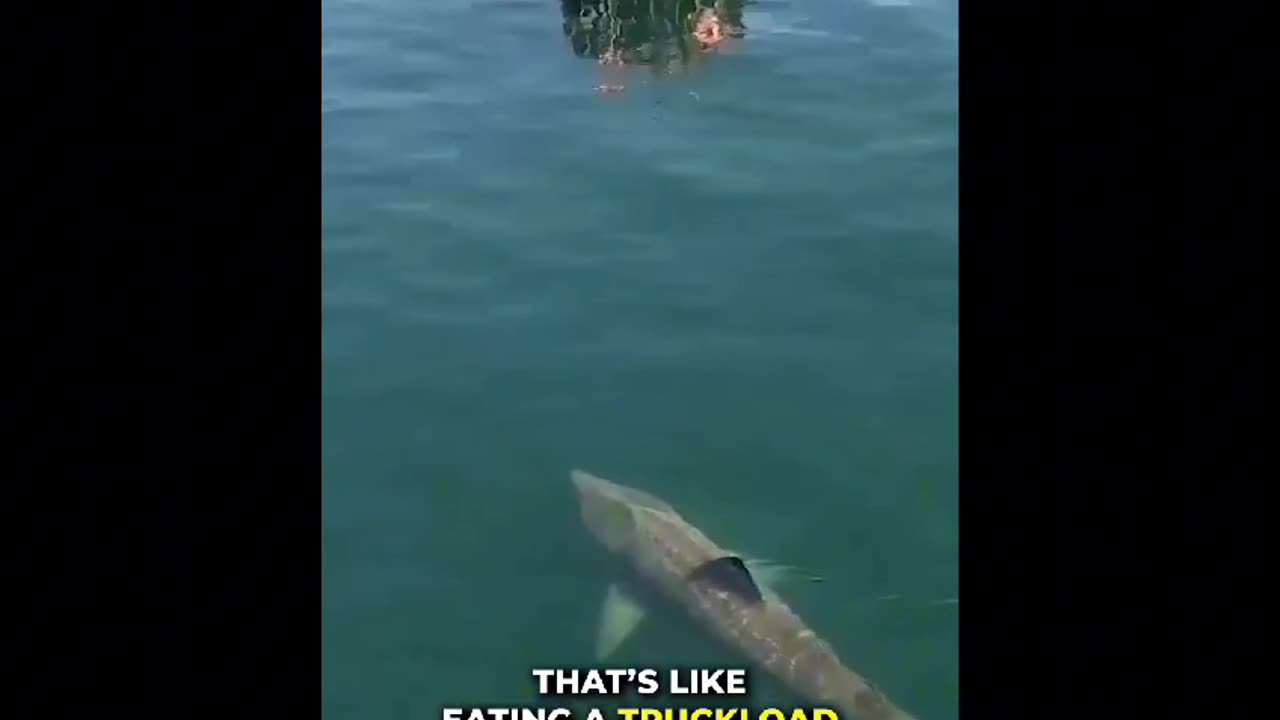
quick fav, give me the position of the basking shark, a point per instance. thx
(719, 589)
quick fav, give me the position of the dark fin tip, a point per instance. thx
(731, 574)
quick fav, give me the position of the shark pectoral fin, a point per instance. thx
(619, 616)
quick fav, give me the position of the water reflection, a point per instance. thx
(669, 36)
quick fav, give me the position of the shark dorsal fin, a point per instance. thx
(728, 573)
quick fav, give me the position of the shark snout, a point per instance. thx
(612, 512)
(589, 485)
(605, 513)
(597, 489)
(609, 509)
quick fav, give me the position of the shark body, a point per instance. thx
(720, 591)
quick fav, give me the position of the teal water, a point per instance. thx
(733, 284)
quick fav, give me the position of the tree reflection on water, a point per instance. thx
(668, 36)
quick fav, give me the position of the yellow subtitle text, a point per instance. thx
(725, 714)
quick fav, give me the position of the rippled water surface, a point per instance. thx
(733, 284)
